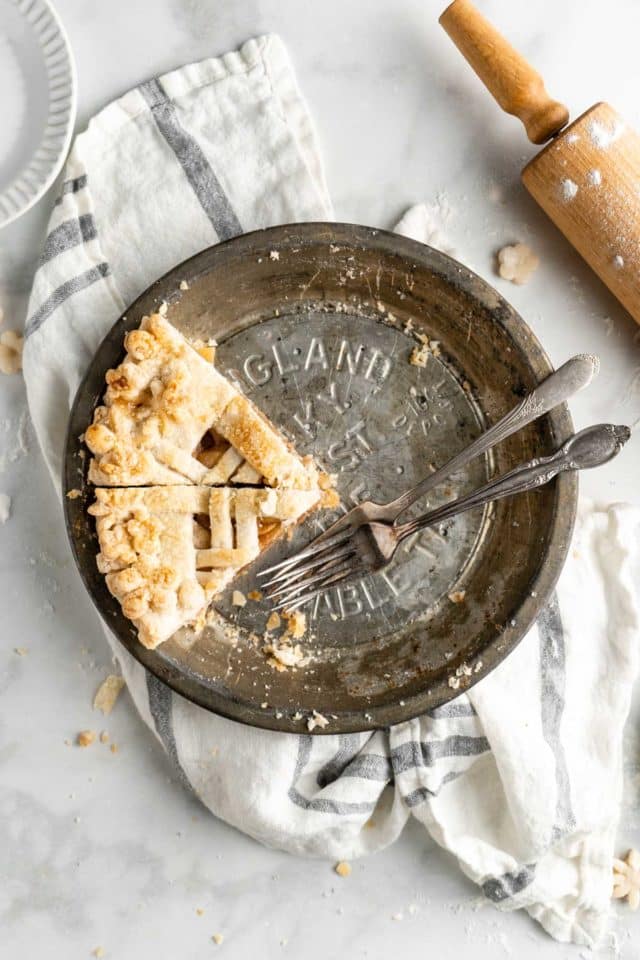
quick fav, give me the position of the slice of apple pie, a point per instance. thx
(170, 417)
(192, 481)
(167, 551)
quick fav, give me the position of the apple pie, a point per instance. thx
(192, 481)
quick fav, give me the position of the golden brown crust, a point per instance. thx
(170, 437)
(163, 579)
(162, 401)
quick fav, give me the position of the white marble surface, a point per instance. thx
(101, 849)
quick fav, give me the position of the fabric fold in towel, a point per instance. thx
(520, 778)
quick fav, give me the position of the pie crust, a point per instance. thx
(170, 417)
(192, 481)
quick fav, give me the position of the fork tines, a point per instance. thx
(323, 563)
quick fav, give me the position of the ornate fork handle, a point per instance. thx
(588, 448)
(567, 380)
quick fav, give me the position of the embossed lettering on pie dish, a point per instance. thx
(175, 447)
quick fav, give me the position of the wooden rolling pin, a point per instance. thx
(588, 178)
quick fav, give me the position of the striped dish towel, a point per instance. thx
(520, 778)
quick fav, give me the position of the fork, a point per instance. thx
(372, 545)
(574, 375)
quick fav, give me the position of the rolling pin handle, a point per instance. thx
(513, 82)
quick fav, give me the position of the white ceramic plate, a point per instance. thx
(37, 103)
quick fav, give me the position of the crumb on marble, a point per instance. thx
(107, 693)
(85, 738)
(98, 952)
(218, 938)
(21, 651)
(343, 868)
(11, 344)
(104, 737)
(626, 879)
(517, 262)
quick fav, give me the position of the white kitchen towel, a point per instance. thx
(520, 778)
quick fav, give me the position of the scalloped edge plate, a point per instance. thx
(42, 25)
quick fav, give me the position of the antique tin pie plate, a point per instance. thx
(317, 323)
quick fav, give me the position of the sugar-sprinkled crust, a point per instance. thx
(170, 417)
(173, 444)
(167, 551)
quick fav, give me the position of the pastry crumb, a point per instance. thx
(206, 349)
(238, 598)
(98, 952)
(254, 595)
(296, 623)
(74, 494)
(114, 748)
(626, 879)
(274, 621)
(282, 656)
(419, 356)
(316, 720)
(107, 693)
(517, 262)
(454, 682)
(104, 737)
(199, 911)
(343, 868)
(457, 596)
(11, 344)
(217, 938)
(85, 738)
(21, 651)
(184, 285)
(274, 255)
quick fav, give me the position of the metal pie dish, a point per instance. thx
(317, 322)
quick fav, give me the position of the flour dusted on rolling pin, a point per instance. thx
(568, 189)
(603, 135)
(587, 180)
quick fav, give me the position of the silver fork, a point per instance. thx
(373, 544)
(576, 373)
